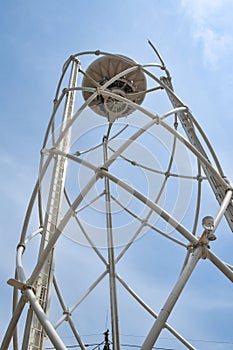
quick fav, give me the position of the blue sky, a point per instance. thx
(195, 39)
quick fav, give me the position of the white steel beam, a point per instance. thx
(44, 280)
(172, 299)
(111, 258)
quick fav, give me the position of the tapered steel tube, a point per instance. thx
(12, 325)
(47, 326)
(171, 301)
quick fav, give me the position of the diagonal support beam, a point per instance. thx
(150, 311)
(171, 300)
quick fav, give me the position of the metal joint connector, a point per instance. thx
(75, 59)
(23, 245)
(67, 313)
(99, 172)
(144, 222)
(65, 91)
(229, 189)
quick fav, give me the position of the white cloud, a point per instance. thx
(207, 18)
(201, 9)
(214, 45)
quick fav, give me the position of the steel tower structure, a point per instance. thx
(113, 171)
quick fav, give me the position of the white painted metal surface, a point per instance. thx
(103, 184)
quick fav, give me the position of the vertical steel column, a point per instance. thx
(218, 189)
(34, 330)
(171, 300)
(111, 258)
